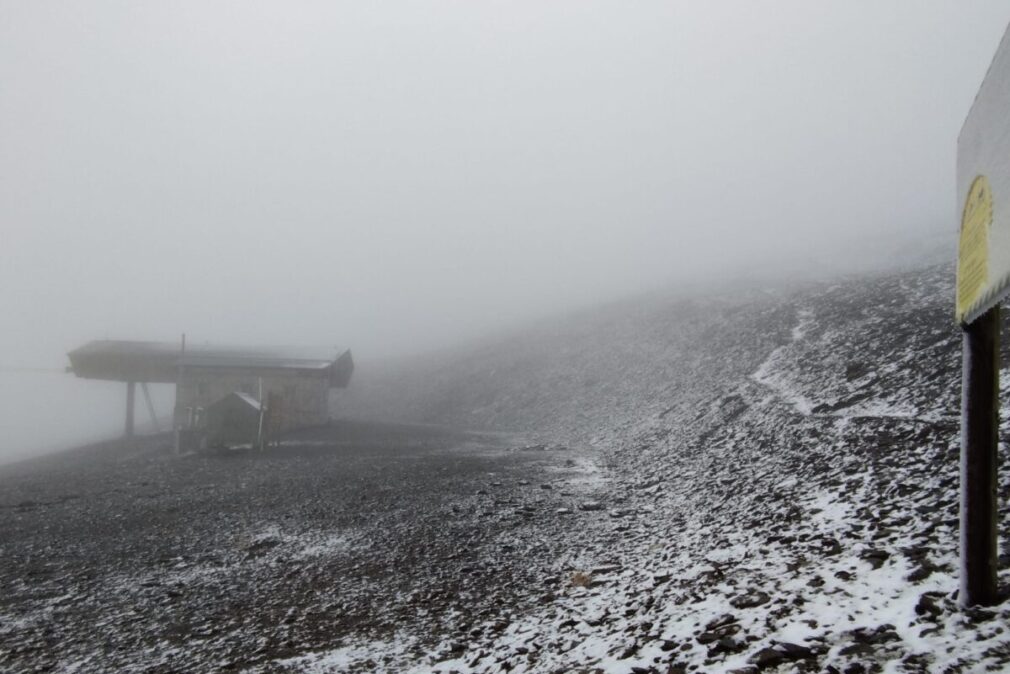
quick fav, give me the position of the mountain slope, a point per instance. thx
(781, 488)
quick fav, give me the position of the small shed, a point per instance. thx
(235, 419)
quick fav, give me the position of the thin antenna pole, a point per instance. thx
(259, 435)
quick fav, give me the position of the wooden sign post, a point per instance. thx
(983, 280)
(979, 428)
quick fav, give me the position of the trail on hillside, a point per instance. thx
(774, 373)
(783, 482)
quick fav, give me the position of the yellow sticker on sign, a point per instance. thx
(973, 248)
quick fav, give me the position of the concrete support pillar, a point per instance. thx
(130, 397)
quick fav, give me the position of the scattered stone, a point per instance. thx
(629, 651)
(649, 484)
(715, 634)
(875, 558)
(261, 544)
(923, 570)
(767, 657)
(724, 619)
(726, 645)
(881, 634)
(830, 547)
(749, 599)
(978, 615)
(927, 606)
(795, 651)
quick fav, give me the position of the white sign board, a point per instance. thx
(983, 194)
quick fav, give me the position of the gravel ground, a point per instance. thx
(788, 464)
(124, 558)
(763, 481)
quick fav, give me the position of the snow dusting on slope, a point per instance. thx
(782, 490)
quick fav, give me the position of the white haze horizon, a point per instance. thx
(406, 177)
(92, 411)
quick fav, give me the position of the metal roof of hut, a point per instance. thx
(119, 360)
(244, 397)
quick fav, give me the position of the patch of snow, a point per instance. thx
(340, 659)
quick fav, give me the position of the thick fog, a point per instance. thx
(398, 177)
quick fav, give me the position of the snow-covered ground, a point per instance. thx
(780, 484)
(762, 480)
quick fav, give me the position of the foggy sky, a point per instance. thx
(397, 176)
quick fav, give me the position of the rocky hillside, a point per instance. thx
(780, 492)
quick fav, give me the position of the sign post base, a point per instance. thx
(979, 438)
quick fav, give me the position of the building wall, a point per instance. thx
(295, 398)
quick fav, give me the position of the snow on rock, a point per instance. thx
(788, 460)
(757, 481)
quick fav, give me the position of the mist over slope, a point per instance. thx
(632, 363)
(781, 479)
(577, 376)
